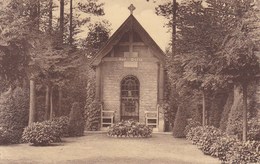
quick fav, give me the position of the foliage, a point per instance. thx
(93, 116)
(225, 112)
(129, 128)
(254, 132)
(234, 123)
(76, 121)
(8, 136)
(62, 124)
(14, 105)
(191, 124)
(180, 123)
(222, 147)
(244, 152)
(42, 133)
(228, 149)
(97, 36)
(209, 136)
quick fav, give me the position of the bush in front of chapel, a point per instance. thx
(129, 128)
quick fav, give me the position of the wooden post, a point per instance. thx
(32, 109)
(244, 88)
(98, 77)
(47, 103)
(203, 109)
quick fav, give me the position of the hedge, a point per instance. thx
(129, 128)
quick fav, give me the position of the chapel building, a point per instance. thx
(130, 76)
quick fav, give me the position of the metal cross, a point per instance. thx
(131, 8)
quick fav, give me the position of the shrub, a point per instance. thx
(8, 136)
(209, 136)
(195, 134)
(234, 123)
(225, 112)
(93, 116)
(14, 114)
(245, 152)
(76, 121)
(42, 133)
(221, 148)
(191, 124)
(254, 132)
(228, 149)
(180, 123)
(62, 124)
(129, 128)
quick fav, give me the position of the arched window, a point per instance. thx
(130, 98)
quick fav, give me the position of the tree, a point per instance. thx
(97, 36)
(238, 58)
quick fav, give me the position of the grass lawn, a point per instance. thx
(98, 148)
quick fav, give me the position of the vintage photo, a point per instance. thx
(129, 81)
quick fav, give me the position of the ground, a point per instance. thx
(98, 148)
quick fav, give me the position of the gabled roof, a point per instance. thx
(129, 24)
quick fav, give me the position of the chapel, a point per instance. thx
(130, 70)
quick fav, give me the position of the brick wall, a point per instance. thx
(114, 72)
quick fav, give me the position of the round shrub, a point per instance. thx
(191, 124)
(195, 134)
(14, 105)
(76, 121)
(180, 123)
(129, 128)
(42, 133)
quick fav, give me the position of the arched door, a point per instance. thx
(130, 98)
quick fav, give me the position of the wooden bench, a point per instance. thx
(151, 119)
(107, 118)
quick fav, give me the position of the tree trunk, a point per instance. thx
(244, 87)
(61, 20)
(38, 14)
(51, 104)
(32, 109)
(59, 102)
(47, 103)
(203, 109)
(174, 8)
(50, 16)
(71, 29)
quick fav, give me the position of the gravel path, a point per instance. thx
(98, 148)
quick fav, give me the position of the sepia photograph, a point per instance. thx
(129, 82)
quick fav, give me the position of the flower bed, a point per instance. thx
(228, 149)
(129, 128)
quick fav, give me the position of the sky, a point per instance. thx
(116, 11)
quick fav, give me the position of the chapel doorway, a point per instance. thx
(130, 91)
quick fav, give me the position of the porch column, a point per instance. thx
(98, 81)
(161, 124)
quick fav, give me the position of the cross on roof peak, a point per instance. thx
(131, 8)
